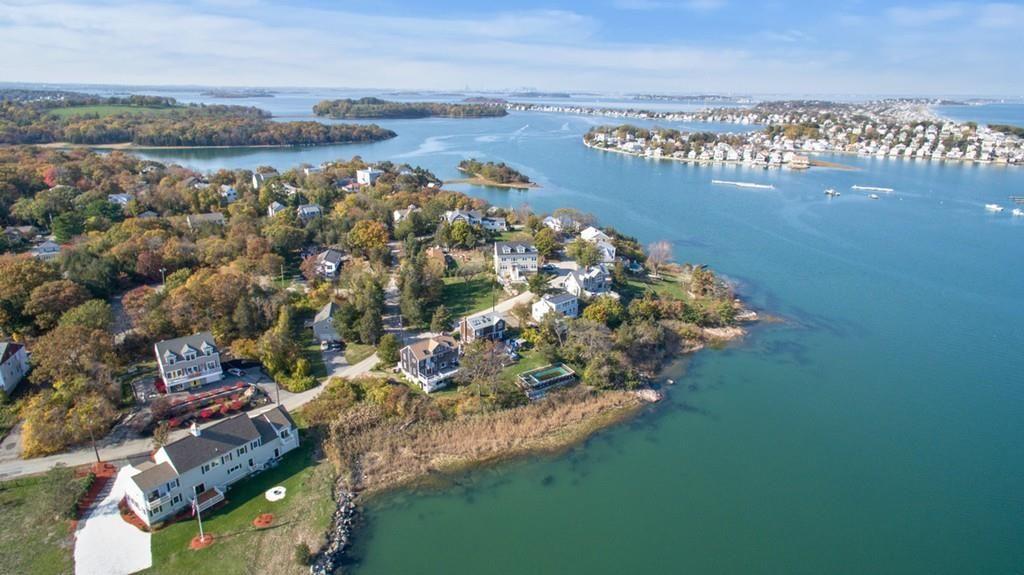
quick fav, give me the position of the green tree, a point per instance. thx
(67, 226)
(93, 314)
(585, 253)
(546, 242)
(538, 284)
(606, 310)
(463, 234)
(387, 349)
(441, 321)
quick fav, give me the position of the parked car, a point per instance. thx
(236, 372)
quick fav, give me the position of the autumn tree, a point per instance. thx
(481, 367)
(606, 310)
(47, 302)
(658, 254)
(585, 253)
(70, 351)
(93, 314)
(546, 242)
(368, 236)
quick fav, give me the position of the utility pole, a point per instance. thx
(199, 516)
(163, 278)
(96, 450)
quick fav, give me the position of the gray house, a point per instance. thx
(513, 261)
(323, 324)
(190, 361)
(483, 326)
(13, 365)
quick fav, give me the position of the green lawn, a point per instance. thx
(33, 542)
(311, 351)
(356, 352)
(530, 360)
(302, 516)
(667, 285)
(108, 110)
(463, 297)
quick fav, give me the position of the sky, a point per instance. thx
(833, 47)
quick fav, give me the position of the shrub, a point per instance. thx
(302, 554)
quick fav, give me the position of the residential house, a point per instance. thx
(483, 326)
(46, 251)
(513, 261)
(196, 470)
(323, 324)
(475, 218)
(368, 176)
(190, 361)
(197, 221)
(119, 199)
(594, 280)
(17, 234)
(310, 170)
(260, 178)
(430, 363)
(559, 224)
(307, 212)
(564, 304)
(13, 365)
(603, 242)
(401, 215)
(275, 208)
(228, 193)
(329, 262)
(148, 214)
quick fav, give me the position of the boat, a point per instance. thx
(872, 196)
(994, 208)
(743, 184)
(1018, 212)
(872, 189)
(832, 193)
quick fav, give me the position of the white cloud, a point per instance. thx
(907, 16)
(692, 5)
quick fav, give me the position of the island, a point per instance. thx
(495, 175)
(237, 93)
(371, 108)
(520, 333)
(148, 121)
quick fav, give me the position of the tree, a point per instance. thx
(441, 321)
(370, 327)
(604, 309)
(387, 349)
(585, 253)
(51, 299)
(481, 366)
(538, 284)
(545, 242)
(523, 312)
(658, 254)
(462, 234)
(67, 226)
(89, 419)
(93, 314)
(70, 351)
(19, 276)
(161, 434)
(368, 236)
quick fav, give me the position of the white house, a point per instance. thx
(13, 365)
(201, 466)
(274, 208)
(46, 251)
(400, 216)
(228, 193)
(307, 212)
(594, 280)
(513, 261)
(564, 304)
(603, 242)
(190, 361)
(329, 262)
(475, 218)
(260, 178)
(368, 176)
(119, 199)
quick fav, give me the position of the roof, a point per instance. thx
(558, 298)
(176, 345)
(154, 476)
(218, 439)
(591, 233)
(268, 422)
(309, 208)
(426, 347)
(211, 218)
(275, 205)
(323, 324)
(47, 246)
(514, 247)
(483, 320)
(331, 256)
(8, 349)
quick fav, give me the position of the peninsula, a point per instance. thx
(375, 108)
(495, 175)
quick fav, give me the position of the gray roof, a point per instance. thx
(323, 323)
(559, 298)
(211, 218)
(484, 320)
(218, 439)
(514, 246)
(178, 344)
(7, 350)
(331, 255)
(154, 476)
(271, 420)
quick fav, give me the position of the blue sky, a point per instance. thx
(686, 46)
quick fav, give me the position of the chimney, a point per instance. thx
(194, 429)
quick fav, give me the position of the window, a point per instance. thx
(205, 468)
(284, 434)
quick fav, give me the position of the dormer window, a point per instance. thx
(169, 358)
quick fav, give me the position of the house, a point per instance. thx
(46, 251)
(310, 170)
(329, 262)
(588, 282)
(189, 361)
(307, 212)
(513, 261)
(401, 215)
(260, 178)
(228, 193)
(594, 235)
(368, 176)
(484, 326)
(119, 199)
(559, 224)
(196, 221)
(200, 467)
(430, 363)
(16, 234)
(475, 218)
(494, 224)
(564, 304)
(274, 208)
(148, 214)
(323, 324)
(799, 162)
(13, 365)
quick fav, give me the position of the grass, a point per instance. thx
(531, 359)
(311, 351)
(33, 541)
(667, 285)
(104, 111)
(356, 352)
(462, 297)
(302, 516)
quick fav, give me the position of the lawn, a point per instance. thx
(311, 350)
(356, 352)
(108, 110)
(33, 541)
(302, 516)
(667, 285)
(463, 297)
(531, 359)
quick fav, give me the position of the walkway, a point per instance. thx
(107, 545)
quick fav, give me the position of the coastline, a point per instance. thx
(128, 146)
(478, 181)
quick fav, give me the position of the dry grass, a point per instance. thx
(381, 453)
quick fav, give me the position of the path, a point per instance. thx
(105, 544)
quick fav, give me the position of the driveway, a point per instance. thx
(104, 543)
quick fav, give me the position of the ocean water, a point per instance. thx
(876, 427)
(1011, 113)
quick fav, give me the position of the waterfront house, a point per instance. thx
(260, 178)
(483, 326)
(329, 262)
(513, 261)
(430, 363)
(564, 304)
(46, 251)
(368, 176)
(119, 199)
(603, 242)
(323, 324)
(560, 224)
(275, 208)
(594, 280)
(475, 218)
(187, 362)
(197, 221)
(307, 212)
(198, 469)
(13, 365)
(400, 216)
(228, 193)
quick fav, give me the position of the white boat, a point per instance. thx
(1018, 212)
(743, 184)
(872, 196)
(872, 189)
(994, 208)
(832, 193)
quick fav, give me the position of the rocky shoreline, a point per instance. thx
(339, 535)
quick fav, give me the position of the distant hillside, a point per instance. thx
(375, 108)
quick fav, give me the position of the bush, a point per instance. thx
(302, 554)
(387, 349)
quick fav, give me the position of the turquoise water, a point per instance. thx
(876, 429)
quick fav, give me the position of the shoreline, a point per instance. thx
(478, 181)
(128, 146)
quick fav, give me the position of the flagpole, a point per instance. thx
(199, 516)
